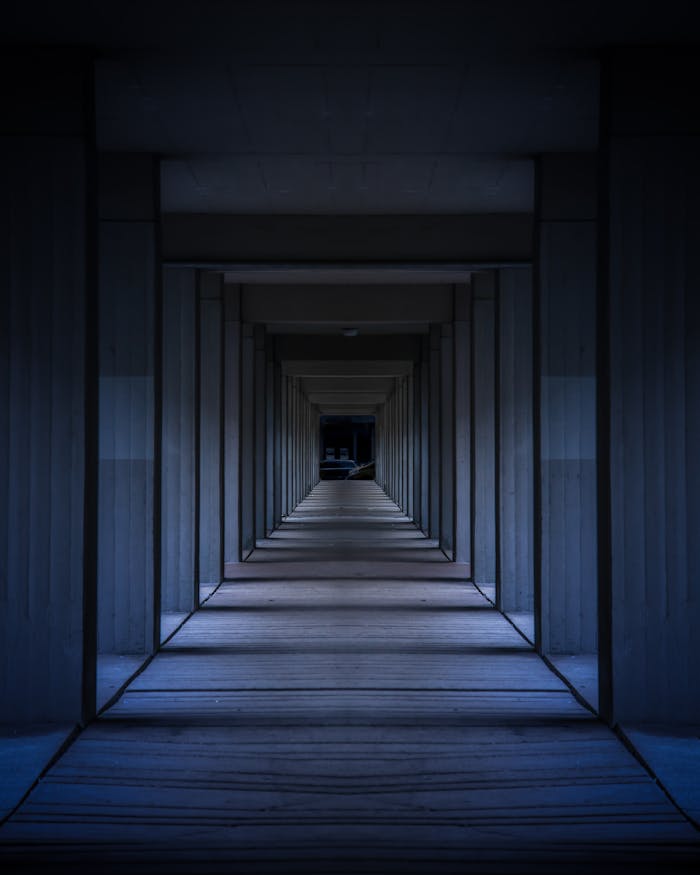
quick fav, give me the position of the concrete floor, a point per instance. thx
(348, 703)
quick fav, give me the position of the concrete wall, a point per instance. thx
(515, 585)
(650, 388)
(46, 284)
(179, 586)
(128, 289)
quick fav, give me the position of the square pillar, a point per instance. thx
(649, 419)
(179, 538)
(211, 401)
(565, 398)
(129, 305)
(247, 442)
(48, 389)
(260, 443)
(435, 443)
(462, 423)
(515, 464)
(483, 419)
(447, 439)
(425, 436)
(416, 425)
(232, 427)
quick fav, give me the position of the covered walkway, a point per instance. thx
(347, 701)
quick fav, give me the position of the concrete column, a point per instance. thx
(447, 440)
(260, 406)
(269, 439)
(425, 435)
(417, 438)
(128, 286)
(385, 447)
(392, 450)
(277, 448)
(565, 397)
(48, 442)
(398, 461)
(284, 447)
(410, 435)
(483, 429)
(247, 457)
(307, 447)
(232, 423)
(211, 497)
(294, 443)
(378, 444)
(179, 587)
(515, 585)
(462, 423)
(302, 444)
(434, 482)
(391, 455)
(649, 423)
(406, 448)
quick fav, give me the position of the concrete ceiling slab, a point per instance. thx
(347, 108)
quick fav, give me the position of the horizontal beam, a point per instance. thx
(342, 369)
(360, 383)
(347, 410)
(347, 304)
(354, 398)
(225, 240)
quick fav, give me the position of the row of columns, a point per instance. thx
(394, 444)
(301, 443)
(107, 404)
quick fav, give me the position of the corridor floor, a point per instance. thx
(348, 703)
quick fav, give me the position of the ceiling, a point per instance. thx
(348, 108)
(347, 387)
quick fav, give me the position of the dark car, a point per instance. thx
(363, 472)
(336, 469)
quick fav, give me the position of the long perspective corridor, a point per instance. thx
(348, 704)
(349, 429)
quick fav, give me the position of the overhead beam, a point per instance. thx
(347, 304)
(225, 240)
(360, 383)
(382, 348)
(348, 410)
(324, 398)
(342, 369)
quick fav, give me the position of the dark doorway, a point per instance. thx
(347, 437)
